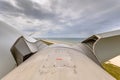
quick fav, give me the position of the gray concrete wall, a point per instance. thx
(107, 48)
(8, 36)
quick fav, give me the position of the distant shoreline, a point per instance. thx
(58, 42)
(68, 41)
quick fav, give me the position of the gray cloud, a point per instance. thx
(7, 8)
(63, 18)
(34, 10)
(27, 7)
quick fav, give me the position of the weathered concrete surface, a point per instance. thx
(58, 63)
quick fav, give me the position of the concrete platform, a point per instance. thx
(58, 63)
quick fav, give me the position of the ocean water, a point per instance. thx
(68, 40)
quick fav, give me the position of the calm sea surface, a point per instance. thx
(69, 40)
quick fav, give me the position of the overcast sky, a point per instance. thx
(61, 18)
